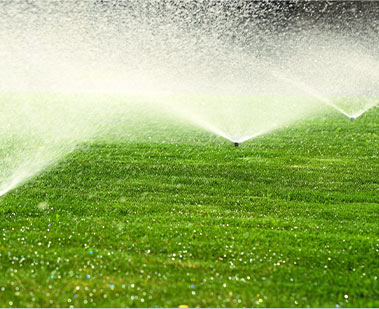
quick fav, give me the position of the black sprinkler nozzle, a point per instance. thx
(352, 118)
(236, 144)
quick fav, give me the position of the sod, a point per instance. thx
(289, 219)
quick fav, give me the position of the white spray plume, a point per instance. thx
(72, 70)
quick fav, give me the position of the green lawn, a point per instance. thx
(289, 219)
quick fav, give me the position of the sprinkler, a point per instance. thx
(352, 118)
(236, 144)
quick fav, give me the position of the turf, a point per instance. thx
(289, 219)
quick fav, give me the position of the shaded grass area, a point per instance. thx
(289, 219)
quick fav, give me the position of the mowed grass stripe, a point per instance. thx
(288, 219)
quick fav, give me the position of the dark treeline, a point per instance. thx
(248, 22)
(284, 11)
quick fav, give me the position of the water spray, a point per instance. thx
(191, 66)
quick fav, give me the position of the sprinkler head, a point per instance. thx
(352, 118)
(236, 144)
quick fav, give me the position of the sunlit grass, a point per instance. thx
(288, 219)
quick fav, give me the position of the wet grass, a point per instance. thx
(289, 219)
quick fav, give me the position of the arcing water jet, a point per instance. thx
(72, 70)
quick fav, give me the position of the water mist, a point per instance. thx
(72, 70)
